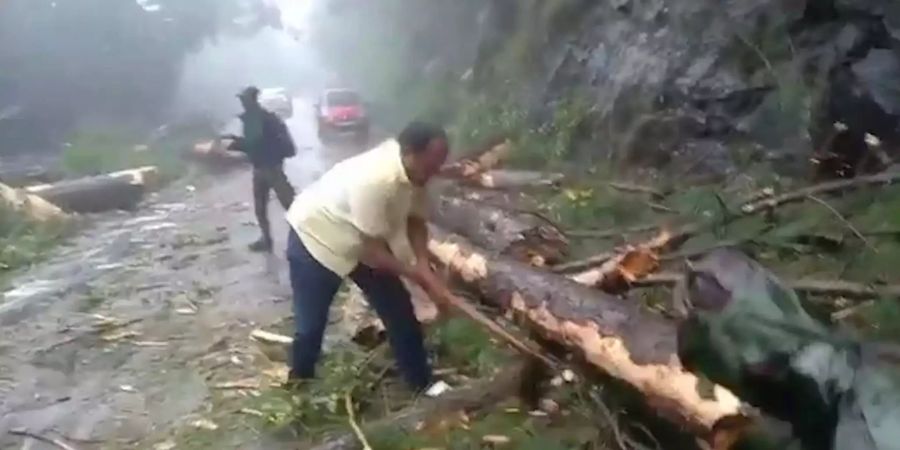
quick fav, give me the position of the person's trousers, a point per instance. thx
(314, 289)
(266, 179)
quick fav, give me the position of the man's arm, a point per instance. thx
(417, 229)
(377, 254)
(237, 143)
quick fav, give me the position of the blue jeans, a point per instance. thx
(314, 289)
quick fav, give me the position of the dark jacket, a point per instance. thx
(274, 145)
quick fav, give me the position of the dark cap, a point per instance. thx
(249, 92)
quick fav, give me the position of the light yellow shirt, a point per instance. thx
(368, 194)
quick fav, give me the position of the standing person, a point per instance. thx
(267, 142)
(365, 219)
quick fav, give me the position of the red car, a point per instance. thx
(341, 112)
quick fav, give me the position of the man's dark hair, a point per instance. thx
(416, 136)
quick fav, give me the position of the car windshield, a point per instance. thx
(343, 98)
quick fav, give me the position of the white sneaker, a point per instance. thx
(437, 389)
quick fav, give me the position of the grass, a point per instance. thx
(94, 152)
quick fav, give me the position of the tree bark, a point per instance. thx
(118, 190)
(428, 413)
(523, 237)
(617, 337)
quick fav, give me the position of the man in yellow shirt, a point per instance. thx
(366, 219)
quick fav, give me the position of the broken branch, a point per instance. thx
(636, 188)
(47, 440)
(847, 289)
(844, 220)
(484, 393)
(351, 418)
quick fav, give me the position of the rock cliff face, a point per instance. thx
(704, 80)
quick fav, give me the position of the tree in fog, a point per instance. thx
(112, 61)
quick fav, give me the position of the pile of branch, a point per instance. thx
(429, 414)
(768, 202)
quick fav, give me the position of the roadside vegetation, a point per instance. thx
(24, 242)
(97, 151)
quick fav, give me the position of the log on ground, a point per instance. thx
(428, 414)
(118, 190)
(212, 153)
(31, 206)
(524, 237)
(616, 337)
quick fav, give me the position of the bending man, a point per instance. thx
(365, 219)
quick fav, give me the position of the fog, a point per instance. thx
(213, 75)
(132, 66)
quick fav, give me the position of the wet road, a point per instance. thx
(121, 335)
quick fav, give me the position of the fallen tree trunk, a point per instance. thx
(117, 190)
(616, 337)
(510, 179)
(523, 237)
(31, 206)
(427, 416)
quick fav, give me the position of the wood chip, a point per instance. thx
(495, 439)
(119, 336)
(164, 445)
(251, 412)
(151, 343)
(205, 424)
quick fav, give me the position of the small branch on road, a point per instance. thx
(47, 440)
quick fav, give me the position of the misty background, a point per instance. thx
(133, 66)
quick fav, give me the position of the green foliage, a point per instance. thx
(318, 406)
(883, 318)
(23, 242)
(594, 207)
(482, 119)
(535, 146)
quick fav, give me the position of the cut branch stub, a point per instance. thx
(617, 273)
